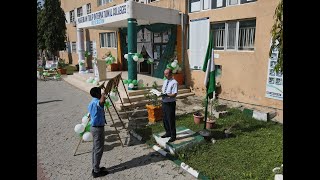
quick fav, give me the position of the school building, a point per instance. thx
(161, 29)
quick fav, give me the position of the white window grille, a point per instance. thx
(108, 39)
(88, 8)
(219, 36)
(246, 37)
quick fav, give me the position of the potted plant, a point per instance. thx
(198, 117)
(211, 120)
(62, 66)
(154, 105)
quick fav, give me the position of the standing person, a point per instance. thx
(169, 91)
(96, 110)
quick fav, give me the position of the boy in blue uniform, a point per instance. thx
(97, 115)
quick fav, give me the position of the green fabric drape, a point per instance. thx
(155, 28)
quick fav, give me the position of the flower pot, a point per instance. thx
(62, 71)
(210, 123)
(197, 118)
(154, 113)
(179, 78)
(114, 67)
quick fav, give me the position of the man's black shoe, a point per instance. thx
(99, 174)
(172, 139)
(164, 136)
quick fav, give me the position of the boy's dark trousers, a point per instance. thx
(169, 118)
(98, 135)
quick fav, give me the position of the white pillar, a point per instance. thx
(80, 46)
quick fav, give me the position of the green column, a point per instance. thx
(132, 49)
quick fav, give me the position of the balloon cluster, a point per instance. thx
(150, 61)
(174, 66)
(92, 80)
(133, 83)
(83, 129)
(136, 57)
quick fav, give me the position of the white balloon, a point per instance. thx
(135, 58)
(126, 56)
(114, 98)
(177, 67)
(85, 120)
(87, 136)
(79, 128)
(131, 85)
(173, 64)
(96, 79)
(174, 71)
(151, 60)
(180, 69)
(176, 61)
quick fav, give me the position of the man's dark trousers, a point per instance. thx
(169, 118)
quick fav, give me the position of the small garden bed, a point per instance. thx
(252, 150)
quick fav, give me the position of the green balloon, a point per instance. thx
(129, 81)
(135, 82)
(140, 55)
(125, 81)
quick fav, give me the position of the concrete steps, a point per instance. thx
(137, 97)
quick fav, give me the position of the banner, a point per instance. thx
(274, 87)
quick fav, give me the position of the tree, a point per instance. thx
(277, 36)
(52, 27)
(40, 28)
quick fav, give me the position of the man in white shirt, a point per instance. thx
(170, 91)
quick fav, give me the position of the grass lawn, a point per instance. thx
(251, 153)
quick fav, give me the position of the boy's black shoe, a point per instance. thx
(164, 136)
(172, 139)
(99, 174)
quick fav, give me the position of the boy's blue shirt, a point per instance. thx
(97, 114)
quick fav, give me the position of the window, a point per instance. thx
(218, 36)
(108, 39)
(206, 4)
(246, 35)
(88, 8)
(72, 16)
(91, 47)
(231, 36)
(194, 5)
(103, 2)
(74, 47)
(247, 1)
(218, 4)
(234, 35)
(79, 12)
(232, 2)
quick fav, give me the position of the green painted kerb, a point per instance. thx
(132, 48)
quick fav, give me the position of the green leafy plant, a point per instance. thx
(62, 64)
(152, 98)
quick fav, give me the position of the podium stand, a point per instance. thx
(100, 71)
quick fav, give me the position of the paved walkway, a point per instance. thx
(60, 107)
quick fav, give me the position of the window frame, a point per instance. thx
(88, 8)
(104, 40)
(79, 12)
(72, 16)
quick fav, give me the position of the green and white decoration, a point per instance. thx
(133, 83)
(83, 129)
(174, 66)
